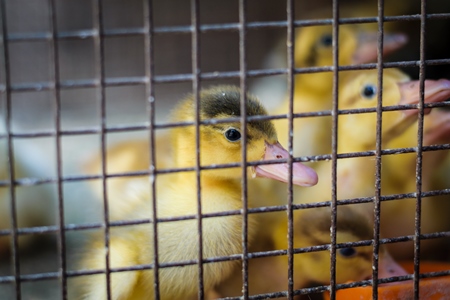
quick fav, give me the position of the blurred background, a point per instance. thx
(31, 62)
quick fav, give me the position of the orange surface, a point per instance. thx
(437, 288)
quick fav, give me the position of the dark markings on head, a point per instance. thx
(224, 100)
(311, 59)
(319, 220)
(323, 41)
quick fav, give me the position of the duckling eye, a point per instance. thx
(233, 135)
(347, 252)
(326, 40)
(369, 91)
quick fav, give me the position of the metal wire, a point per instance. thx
(243, 121)
(334, 147)
(150, 95)
(121, 81)
(11, 178)
(84, 34)
(419, 151)
(196, 84)
(36, 181)
(378, 145)
(290, 41)
(57, 96)
(99, 50)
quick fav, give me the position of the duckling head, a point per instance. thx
(314, 45)
(314, 48)
(359, 91)
(352, 263)
(221, 143)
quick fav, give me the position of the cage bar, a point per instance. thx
(11, 178)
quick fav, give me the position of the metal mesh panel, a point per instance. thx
(99, 83)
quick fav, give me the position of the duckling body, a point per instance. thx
(126, 157)
(178, 241)
(176, 195)
(398, 177)
(312, 228)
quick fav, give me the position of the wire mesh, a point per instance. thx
(101, 82)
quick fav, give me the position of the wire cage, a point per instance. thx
(78, 78)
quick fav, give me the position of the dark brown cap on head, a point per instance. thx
(349, 220)
(224, 101)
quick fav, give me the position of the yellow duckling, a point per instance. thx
(176, 195)
(399, 176)
(313, 91)
(312, 228)
(313, 48)
(357, 132)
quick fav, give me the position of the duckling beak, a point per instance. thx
(366, 50)
(388, 267)
(437, 127)
(301, 174)
(434, 91)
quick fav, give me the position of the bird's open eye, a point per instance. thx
(233, 135)
(326, 40)
(369, 91)
(347, 252)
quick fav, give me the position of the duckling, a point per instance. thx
(313, 91)
(398, 177)
(312, 228)
(357, 132)
(176, 195)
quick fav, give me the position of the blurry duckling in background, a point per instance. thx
(312, 228)
(399, 176)
(357, 131)
(176, 195)
(313, 91)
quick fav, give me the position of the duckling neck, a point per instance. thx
(217, 194)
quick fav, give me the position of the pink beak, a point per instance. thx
(435, 91)
(301, 174)
(437, 127)
(367, 46)
(388, 267)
